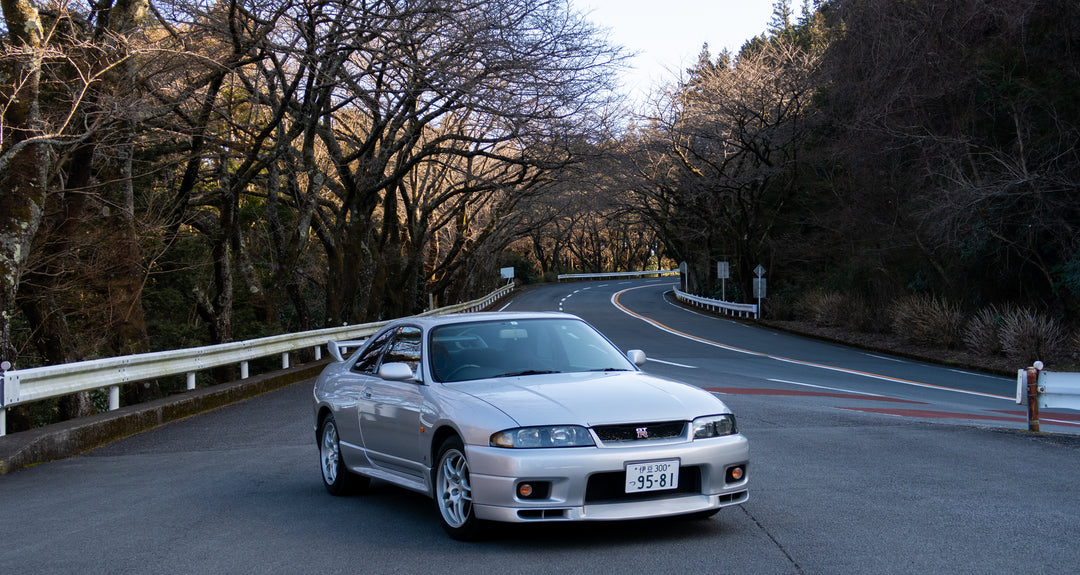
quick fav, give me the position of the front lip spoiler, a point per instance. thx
(616, 511)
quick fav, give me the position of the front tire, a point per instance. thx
(337, 478)
(453, 492)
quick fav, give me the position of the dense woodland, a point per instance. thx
(183, 172)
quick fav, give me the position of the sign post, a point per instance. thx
(759, 288)
(723, 272)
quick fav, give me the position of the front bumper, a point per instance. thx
(586, 483)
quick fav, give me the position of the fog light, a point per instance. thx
(533, 490)
(735, 474)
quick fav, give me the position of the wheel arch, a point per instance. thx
(440, 436)
(319, 419)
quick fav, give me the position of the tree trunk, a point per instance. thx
(23, 163)
(124, 287)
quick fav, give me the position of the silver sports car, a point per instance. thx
(523, 417)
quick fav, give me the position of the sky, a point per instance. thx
(668, 34)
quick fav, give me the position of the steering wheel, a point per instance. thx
(459, 369)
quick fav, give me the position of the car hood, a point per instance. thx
(592, 398)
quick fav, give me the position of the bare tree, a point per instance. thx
(411, 83)
(372, 151)
(957, 142)
(24, 154)
(718, 156)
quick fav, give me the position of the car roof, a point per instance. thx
(449, 319)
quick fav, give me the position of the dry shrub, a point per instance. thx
(859, 314)
(982, 334)
(926, 320)
(836, 309)
(824, 308)
(805, 304)
(1028, 336)
(782, 306)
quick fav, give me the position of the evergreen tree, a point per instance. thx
(781, 23)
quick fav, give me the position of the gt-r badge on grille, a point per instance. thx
(643, 433)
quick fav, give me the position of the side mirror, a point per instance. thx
(338, 349)
(335, 350)
(637, 356)
(396, 371)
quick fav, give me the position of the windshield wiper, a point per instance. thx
(528, 372)
(609, 369)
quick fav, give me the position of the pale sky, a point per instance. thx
(668, 34)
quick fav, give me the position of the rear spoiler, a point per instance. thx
(339, 349)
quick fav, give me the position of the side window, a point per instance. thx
(405, 348)
(369, 361)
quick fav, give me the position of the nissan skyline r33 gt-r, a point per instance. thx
(523, 417)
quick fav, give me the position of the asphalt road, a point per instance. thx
(839, 484)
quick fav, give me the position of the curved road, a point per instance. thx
(736, 358)
(860, 464)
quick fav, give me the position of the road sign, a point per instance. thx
(723, 272)
(760, 271)
(759, 288)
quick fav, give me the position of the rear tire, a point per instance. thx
(453, 492)
(337, 478)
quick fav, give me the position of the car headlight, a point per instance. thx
(546, 436)
(714, 426)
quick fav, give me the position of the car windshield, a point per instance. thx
(467, 351)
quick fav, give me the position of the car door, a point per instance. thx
(349, 390)
(390, 410)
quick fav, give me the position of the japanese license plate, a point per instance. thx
(652, 475)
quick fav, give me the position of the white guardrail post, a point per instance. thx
(4, 367)
(26, 385)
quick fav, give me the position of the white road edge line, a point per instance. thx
(1058, 421)
(885, 358)
(976, 374)
(887, 378)
(661, 327)
(828, 388)
(671, 363)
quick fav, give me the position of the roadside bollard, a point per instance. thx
(1033, 396)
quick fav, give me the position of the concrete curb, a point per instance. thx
(70, 438)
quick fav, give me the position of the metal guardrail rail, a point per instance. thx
(739, 309)
(602, 275)
(1046, 389)
(26, 385)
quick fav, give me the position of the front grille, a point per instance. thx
(640, 431)
(611, 487)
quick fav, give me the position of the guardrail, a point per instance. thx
(1049, 389)
(602, 275)
(37, 383)
(737, 309)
